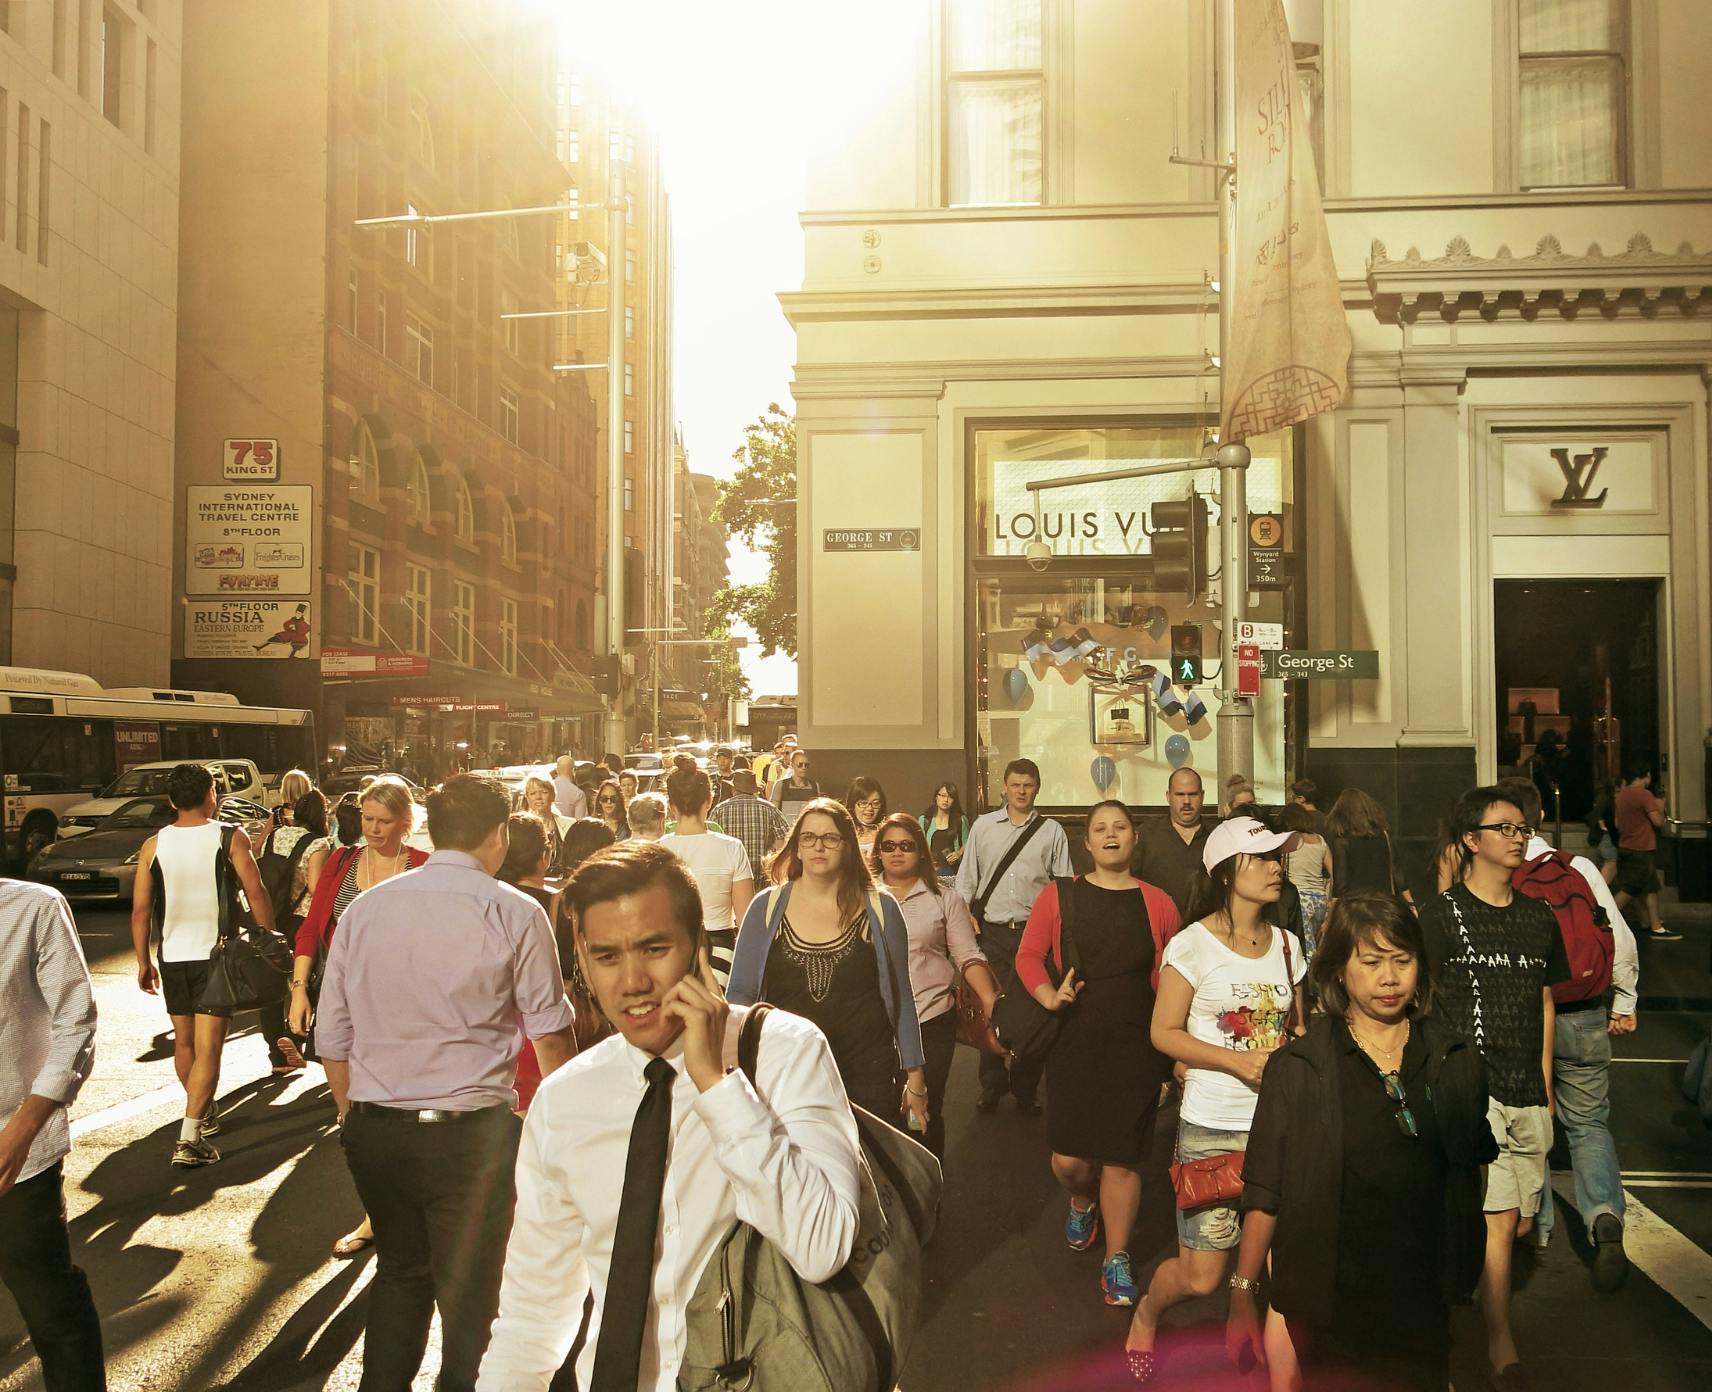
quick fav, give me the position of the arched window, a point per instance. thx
(422, 128)
(417, 499)
(507, 534)
(466, 508)
(365, 464)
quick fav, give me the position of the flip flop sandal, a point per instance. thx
(352, 1244)
(1143, 1364)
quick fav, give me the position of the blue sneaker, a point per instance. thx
(1082, 1226)
(1116, 1280)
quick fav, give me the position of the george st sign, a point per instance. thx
(1334, 665)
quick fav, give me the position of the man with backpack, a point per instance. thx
(1602, 956)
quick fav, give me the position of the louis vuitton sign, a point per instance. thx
(1559, 479)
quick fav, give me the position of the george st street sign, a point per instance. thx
(1334, 665)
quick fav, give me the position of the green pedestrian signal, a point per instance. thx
(1185, 654)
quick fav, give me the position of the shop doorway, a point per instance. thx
(1579, 683)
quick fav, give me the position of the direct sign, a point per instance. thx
(1265, 551)
(1268, 637)
(871, 539)
(1334, 665)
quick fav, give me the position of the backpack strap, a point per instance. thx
(749, 1041)
(1069, 957)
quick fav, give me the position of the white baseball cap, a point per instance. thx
(1241, 836)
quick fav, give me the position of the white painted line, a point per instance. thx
(1659, 1174)
(1679, 1062)
(1667, 1184)
(124, 1111)
(1676, 1265)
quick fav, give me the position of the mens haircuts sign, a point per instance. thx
(243, 540)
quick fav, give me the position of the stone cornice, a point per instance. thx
(1637, 281)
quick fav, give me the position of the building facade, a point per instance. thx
(1008, 281)
(89, 180)
(383, 482)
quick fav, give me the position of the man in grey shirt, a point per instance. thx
(429, 976)
(47, 1048)
(1003, 913)
(567, 796)
(796, 790)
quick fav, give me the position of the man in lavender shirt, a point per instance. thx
(433, 978)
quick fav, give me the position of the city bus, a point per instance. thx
(64, 738)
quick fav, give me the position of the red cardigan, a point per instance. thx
(316, 930)
(1041, 935)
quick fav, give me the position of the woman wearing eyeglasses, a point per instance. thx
(824, 944)
(1229, 997)
(942, 943)
(866, 800)
(1363, 1173)
(609, 806)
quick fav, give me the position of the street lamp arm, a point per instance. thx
(429, 219)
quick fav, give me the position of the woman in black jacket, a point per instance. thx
(1363, 1173)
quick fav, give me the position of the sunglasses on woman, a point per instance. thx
(895, 847)
(1405, 1118)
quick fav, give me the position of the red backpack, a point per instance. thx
(1586, 929)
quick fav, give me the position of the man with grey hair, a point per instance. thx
(1168, 850)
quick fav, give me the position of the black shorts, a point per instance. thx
(182, 984)
(1636, 875)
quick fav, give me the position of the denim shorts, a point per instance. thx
(1217, 1227)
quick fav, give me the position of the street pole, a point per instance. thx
(615, 625)
(1236, 714)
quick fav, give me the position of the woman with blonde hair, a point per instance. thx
(825, 944)
(1361, 846)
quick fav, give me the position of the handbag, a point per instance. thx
(973, 1026)
(249, 965)
(1213, 1179)
(754, 1324)
(1025, 1027)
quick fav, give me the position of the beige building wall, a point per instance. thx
(1478, 310)
(89, 159)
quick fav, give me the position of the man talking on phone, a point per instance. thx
(640, 1154)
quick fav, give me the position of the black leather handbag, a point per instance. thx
(1026, 1028)
(249, 965)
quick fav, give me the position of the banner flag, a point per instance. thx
(1287, 353)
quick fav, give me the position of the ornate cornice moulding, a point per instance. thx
(1637, 281)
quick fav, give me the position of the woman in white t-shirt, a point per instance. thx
(718, 862)
(1229, 995)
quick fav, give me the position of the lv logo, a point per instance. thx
(1579, 472)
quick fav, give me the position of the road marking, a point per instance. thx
(1668, 1184)
(1675, 1264)
(125, 1111)
(1679, 1062)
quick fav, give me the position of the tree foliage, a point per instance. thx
(724, 671)
(749, 506)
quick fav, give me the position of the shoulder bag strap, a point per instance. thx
(749, 1041)
(1289, 982)
(1069, 958)
(226, 881)
(1021, 839)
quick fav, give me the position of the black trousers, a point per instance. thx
(999, 946)
(939, 1045)
(440, 1197)
(52, 1293)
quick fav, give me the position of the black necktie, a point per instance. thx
(630, 1281)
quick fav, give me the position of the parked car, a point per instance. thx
(232, 778)
(350, 780)
(102, 862)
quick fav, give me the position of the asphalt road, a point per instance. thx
(222, 1277)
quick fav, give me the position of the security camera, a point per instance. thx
(588, 251)
(1039, 554)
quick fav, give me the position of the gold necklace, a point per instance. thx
(1377, 1049)
(393, 870)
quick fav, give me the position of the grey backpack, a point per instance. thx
(755, 1324)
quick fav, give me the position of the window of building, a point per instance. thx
(23, 175)
(351, 301)
(365, 464)
(422, 129)
(511, 328)
(630, 321)
(630, 209)
(413, 238)
(630, 266)
(418, 497)
(573, 148)
(59, 37)
(112, 63)
(508, 414)
(85, 27)
(365, 594)
(1572, 93)
(995, 103)
(1046, 643)
(464, 622)
(151, 80)
(418, 608)
(380, 320)
(630, 495)
(507, 534)
(464, 521)
(630, 379)
(419, 349)
(630, 437)
(508, 636)
(462, 377)
(44, 167)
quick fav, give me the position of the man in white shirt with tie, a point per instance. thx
(596, 1196)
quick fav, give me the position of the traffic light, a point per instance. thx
(1179, 530)
(606, 676)
(1185, 654)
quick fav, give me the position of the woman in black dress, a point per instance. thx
(1103, 1075)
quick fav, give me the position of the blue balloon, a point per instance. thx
(1104, 772)
(1016, 683)
(1177, 751)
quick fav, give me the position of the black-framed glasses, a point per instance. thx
(892, 847)
(1510, 831)
(1395, 1091)
(826, 840)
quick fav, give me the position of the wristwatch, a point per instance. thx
(1242, 1283)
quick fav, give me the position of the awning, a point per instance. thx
(492, 694)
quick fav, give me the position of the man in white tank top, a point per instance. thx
(178, 900)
